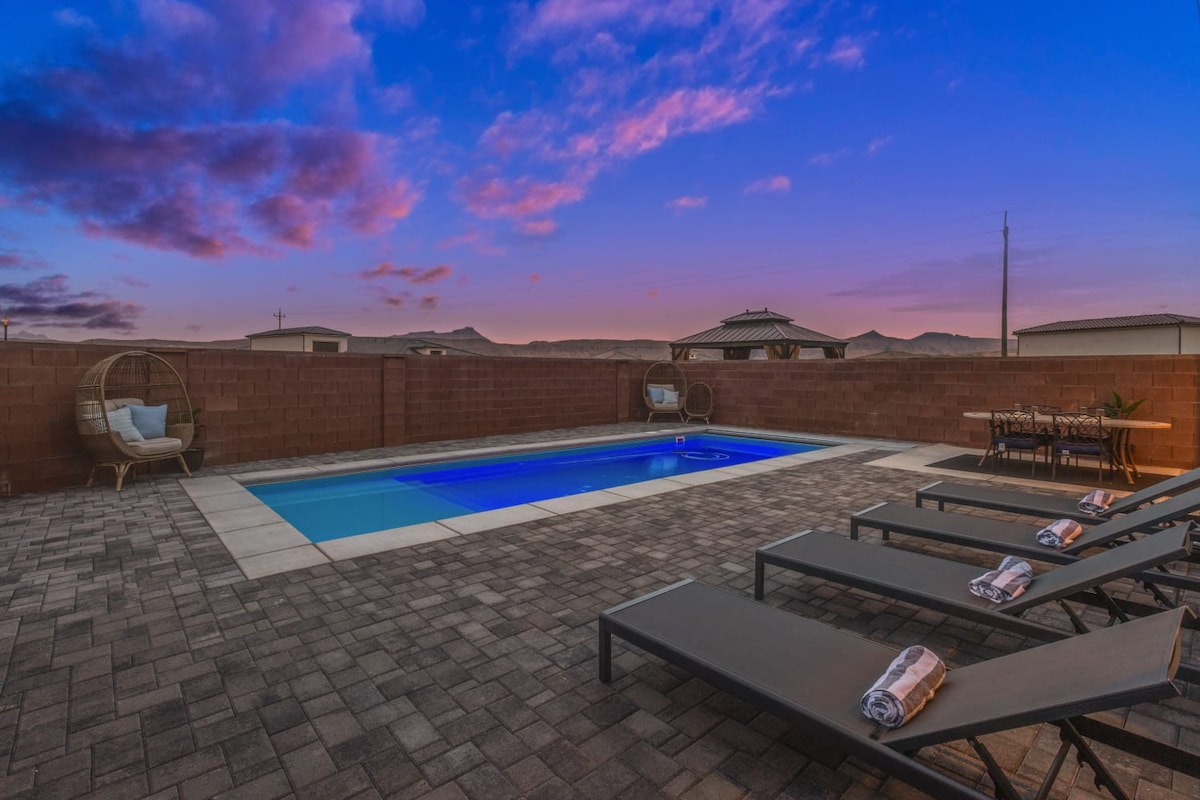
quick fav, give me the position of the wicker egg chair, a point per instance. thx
(132, 378)
(698, 404)
(664, 377)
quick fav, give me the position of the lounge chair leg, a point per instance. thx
(1084, 754)
(604, 653)
(183, 464)
(91, 477)
(1055, 767)
(1004, 787)
(1076, 622)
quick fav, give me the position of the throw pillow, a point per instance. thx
(151, 421)
(122, 422)
(656, 394)
(670, 396)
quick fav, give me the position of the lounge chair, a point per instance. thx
(1014, 538)
(1035, 504)
(941, 584)
(812, 675)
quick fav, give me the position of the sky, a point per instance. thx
(558, 169)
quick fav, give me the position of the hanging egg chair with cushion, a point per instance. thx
(132, 408)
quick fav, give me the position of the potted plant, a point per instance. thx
(1116, 407)
(194, 455)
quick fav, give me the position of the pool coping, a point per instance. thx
(263, 543)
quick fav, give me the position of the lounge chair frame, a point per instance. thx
(765, 656)
(941, 584)
(1012, 538)
(1037, 504)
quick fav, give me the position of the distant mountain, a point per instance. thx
(34, 337)
(874, 343)
(468, 341)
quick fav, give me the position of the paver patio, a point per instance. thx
(137, 660)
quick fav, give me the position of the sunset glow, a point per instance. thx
(593, 168)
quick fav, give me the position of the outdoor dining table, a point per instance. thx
(1121, 428)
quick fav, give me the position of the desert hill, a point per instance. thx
(469, 341)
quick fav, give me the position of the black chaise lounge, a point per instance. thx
(1037, 504)
(813, 675)
(1013, 538)
(941, 584)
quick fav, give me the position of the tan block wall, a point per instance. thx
(260, 405)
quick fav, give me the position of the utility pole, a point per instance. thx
(1004, 296)
(279, 315)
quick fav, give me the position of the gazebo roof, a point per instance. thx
(757, 329)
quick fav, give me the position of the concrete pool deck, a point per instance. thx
(137, 660)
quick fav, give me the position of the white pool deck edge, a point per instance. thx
(263, 543)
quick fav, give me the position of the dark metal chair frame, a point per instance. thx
(1014, 538)
(940, 584)
(812, 675)
(1037, 504)
(1077, 433)
(1013, 430)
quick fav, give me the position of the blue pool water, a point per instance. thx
(349, 505)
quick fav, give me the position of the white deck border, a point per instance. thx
(263, 543)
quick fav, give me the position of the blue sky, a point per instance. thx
(593, 168)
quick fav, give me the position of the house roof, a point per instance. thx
(313, 329)
(1109, 323)
(755, 329)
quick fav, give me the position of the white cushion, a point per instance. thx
(151, 421)
(163, 445)
(121, 422)
(656, 393)
(670, 397)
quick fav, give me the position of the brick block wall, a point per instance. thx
(260, 405)
(923, 399)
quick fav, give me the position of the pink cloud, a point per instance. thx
(429, 302)
(687, 202)
(848, 52)
(774, 183)
(136, 283)
(682, 111)
(561, 17)
(827, 158)
(117, 137)
(494, 198)
(652, 294)
(49, 301)
(538, 227)
(877, 144)
(480, 242)
(413, 275)
(535, 278)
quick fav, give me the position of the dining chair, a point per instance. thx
(1013, 430)
(1078, 433)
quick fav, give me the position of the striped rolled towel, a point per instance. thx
(1096, 502)
(1059, 533)
(902, 691)
(1004, 583)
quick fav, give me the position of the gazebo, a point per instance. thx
(774, 333)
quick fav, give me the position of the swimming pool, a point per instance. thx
(334, 507)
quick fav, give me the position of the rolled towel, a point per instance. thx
(902, 691)
(1059, 533)
(1004, 583)
(1096, 502)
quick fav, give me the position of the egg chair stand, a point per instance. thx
(128, 379)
